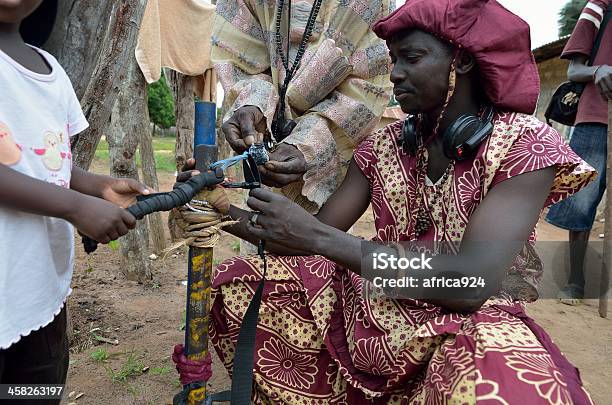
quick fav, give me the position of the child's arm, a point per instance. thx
(94, 217)
(121, 192)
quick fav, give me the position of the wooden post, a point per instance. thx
(182, 87)
(198, 289)
(607, 256)
(149, 176)
(103, 88)
(127, 122)
(79, 35)
(200, 266)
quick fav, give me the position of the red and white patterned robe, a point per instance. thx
(326, 335)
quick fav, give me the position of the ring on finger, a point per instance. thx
(253, 219)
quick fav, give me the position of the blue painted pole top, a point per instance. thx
(205, 123)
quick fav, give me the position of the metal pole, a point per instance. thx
(607, 262)
(200, 260)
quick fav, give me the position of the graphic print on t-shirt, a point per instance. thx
(10, 151)
(52, 154)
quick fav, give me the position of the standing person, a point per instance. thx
(334, 99)
(43, 196)
(589, 138)
(471, 164)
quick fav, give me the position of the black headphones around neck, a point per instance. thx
(460, 139)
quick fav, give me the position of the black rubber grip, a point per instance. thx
(181, 195)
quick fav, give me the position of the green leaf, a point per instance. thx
(160, 370)
(568, 16)
(100, 355)
(161, 104)
(113, 244)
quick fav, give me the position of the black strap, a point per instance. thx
(579, 87)
(600, 34)
(242, 372)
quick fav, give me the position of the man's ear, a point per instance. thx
(465, 62)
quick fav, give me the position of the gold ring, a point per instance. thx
(253, 219)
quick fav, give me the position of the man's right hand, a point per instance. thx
(99, 219)
(244, 128)
(603, 81)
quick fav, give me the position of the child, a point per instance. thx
(42, 195)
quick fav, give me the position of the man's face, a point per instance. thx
(14, 11)
(421, 65)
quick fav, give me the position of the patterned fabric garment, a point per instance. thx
(326, 335)
(337, 95)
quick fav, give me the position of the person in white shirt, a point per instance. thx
(42, 197)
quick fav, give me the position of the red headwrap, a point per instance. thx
(498, 39)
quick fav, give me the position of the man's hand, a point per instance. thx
(244, 128)
(101, 220)
(187, 171)
(286, 165)
(282, 221)
(603, 81)
(123, 192)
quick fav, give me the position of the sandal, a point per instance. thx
(572, 294)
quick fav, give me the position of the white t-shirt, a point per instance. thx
(38, 115)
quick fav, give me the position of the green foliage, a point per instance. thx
(235, 245)
(132, 367)
(89, 267)
(113, 244)
(160, 370)
(568, 16)
(161, 104)
(100, 355)
(133, 390)
(163, 149)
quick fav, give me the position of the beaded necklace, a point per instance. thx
(282, 127)
(421, 211)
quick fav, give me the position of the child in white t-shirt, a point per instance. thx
(42, 195)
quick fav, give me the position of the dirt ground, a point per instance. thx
(145, 321)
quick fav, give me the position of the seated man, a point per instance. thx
(337, 92)
(326, 334)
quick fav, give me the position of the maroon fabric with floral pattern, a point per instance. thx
(326, 335)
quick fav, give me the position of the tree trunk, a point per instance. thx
(184, 107)
(78, 38)
(149, 175)
(103, 88)
(127, 123)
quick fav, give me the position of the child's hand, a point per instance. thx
(123, 192)
(101, 220)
